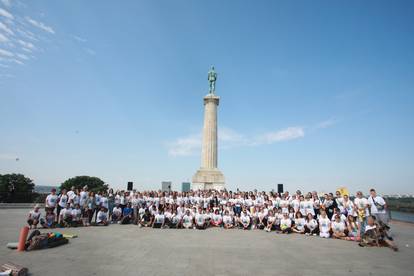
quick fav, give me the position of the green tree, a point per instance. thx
(94, 184)
(16, 188)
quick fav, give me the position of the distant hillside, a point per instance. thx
(400, 204)
(44, 189)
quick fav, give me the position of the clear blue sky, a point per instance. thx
(314, 94)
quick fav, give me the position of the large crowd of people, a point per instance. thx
(361, 219)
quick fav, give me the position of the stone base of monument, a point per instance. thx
(205, 179)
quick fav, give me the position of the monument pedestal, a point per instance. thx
(206, 179)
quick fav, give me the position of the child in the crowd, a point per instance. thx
(300, 222)
(33, 218)
(324, 225)
(50, 219)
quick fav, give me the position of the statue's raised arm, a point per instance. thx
(212, 77)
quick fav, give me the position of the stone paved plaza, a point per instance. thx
(129, 250)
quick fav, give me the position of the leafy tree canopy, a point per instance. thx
(94, 184)
(16, 188)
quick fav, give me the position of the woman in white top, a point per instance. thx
(227, 220)
(188, 220)
(270, 221)
(324, 225)
(51, 200)
(300, 222)
(34, 217)
(216, 219)
(286, 224)
(311, 226)
(338, 228)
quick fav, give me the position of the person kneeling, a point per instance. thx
(188, 220)
(34, 217)
(200, 219)
(116, 214)
(102, 217)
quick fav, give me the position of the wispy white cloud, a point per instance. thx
(290, 133)
(185, 146)
(25, 44)
(3, 38)
(78, 38)
(18, 61)
(6, 53)
(22, 56)
(228, 138)
(7, 3)
(6, 14)
(326, 123)
(6, 29)
(40, 25)
(90, 51)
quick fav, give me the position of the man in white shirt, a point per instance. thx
(378, 207)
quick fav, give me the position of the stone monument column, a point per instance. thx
(209, 176)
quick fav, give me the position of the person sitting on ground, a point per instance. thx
(65, 219)
(33, 218)
(286, 224)
(159, 220)
(50, 219)
(217, 219)
(188, 220)
(77, 216)
(324, 225)
(200, 219)
(244, 220)
(146, 219)
(311, 226)
(227, 220)
(116, 213)
(102, 217)
(127, 214)
(376, 235)
(353, 229)
(338, 228)
(271, 219)
(175, 221)
(300, 222)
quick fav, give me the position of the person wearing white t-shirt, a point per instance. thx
(271, 219)
(116, 214)
(378, 207)
(227, 220)
(76, 216)
(244, 220)
(286, 224)
(65, 219)
(62, 202)
(311, 226)
(175, 220)
(324, 225)
(188, 220)
(349, 208)
(33, 218)
(338, 228)
(361, 209)
(159, 220)
(200, 220)
(83, 197)
(102, 217)
(51, 200)
(300, 222)
(216, 219)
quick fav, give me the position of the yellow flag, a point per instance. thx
(343, 191)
